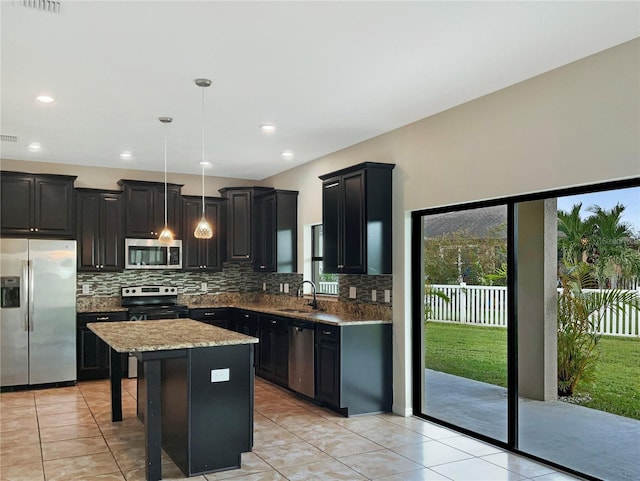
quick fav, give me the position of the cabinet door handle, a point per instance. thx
(101, 266)
(36, 229)
(246, 315)
(263, 267)
(340, 266)
(328, 333)
(274, 321)
(329, 186)
(103, 318)
(31, 229)
(209, 313)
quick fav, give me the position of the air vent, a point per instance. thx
(8, 138)
(50, 6)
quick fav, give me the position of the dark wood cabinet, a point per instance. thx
(354, 367)
(241, 241)
(99, 230)
(144, 208)
(216, 316)
(274, 349)
(356, 219)
(203, 254)
(248, 322)
(276, 224)
(328, 364)
(92, 354)
(37, 205)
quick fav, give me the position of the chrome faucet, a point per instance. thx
(314, 303)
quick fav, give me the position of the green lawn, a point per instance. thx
(480, 353)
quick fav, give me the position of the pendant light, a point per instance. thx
(203, 229)
(166, 236)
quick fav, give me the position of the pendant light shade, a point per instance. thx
(203, 229)
(166, 236)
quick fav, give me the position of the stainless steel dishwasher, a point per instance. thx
(301, 357)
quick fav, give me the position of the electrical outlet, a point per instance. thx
(203, 286)
(220, 375)
(264, 286)
(387, 295)
(281, 287)
(86, 288)
(352, 292)
(286, 287)
(373, 295)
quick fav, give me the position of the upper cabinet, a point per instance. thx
(241, 241)
(99, 230)
(276, 224)
(356, 219)
(144, 208)
(203, 254)
(37, 205)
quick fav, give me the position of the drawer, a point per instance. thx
(86, 317)
(210, 314)
(328, 332)
(276, 322)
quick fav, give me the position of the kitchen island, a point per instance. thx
(199, 391)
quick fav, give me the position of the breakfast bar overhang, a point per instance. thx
(199, 391)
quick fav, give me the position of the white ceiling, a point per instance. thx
(328, 74)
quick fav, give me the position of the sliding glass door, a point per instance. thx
(464, 329)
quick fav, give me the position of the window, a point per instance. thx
(325, 283)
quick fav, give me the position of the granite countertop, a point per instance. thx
(310, 315)
(164, 335)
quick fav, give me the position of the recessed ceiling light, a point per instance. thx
(287, 155)
(34, 147)
(268, 128)
(45, 99)
(126, 155)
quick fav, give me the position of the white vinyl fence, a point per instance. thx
(487, 306)
(328, 287)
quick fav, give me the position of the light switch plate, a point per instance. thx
(373, 295)
(220, 375)
(352, 292)
(286, 287)
(387, 295)
(264, 286)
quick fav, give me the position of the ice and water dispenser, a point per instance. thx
(9, 291)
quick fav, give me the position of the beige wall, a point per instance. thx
(575, 125)
(107, 178)
(578, 124)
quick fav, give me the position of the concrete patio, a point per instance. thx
(592, 442)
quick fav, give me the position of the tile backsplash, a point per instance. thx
(236, 277)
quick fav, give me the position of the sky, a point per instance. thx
(630, 198)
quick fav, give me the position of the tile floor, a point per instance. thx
(65, 434)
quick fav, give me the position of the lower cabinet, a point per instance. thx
(274, 349)
(92, 353)
(216, 316)
(248, 322)
(354, 367)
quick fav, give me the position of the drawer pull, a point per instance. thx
(274, 321)
(209, 313)
(328, 333)
(104, 318)
(246, 315)
(329, 186)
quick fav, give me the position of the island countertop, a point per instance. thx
(166, 334)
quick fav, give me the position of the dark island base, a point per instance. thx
(206, 425)
(198, 412)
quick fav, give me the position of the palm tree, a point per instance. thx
(614, 256)
(575, 242)
(579, 316)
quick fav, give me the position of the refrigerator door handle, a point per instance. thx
(24, 283)
(30, 322)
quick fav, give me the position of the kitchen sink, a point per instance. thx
(296, 311)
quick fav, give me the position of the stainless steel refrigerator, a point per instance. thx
(37, 311)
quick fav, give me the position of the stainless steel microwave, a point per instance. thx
(150, 254)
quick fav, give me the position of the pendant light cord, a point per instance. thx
(202, 152)
(165, 177)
